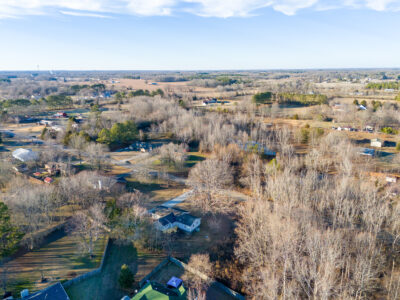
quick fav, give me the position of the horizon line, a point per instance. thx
(201, 70)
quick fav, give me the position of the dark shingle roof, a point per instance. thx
(170, 218)
(53, 292)
(186, 219)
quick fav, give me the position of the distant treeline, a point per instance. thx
(395, 85)
(96, 87)
(303, 99)
(131, 77)
(136, 93)
(50, 101)
(290, 98)
(219, 79)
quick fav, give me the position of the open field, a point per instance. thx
(57, 260)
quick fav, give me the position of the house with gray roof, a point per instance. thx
(53, 292)
(172, 219)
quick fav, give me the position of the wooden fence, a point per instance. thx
(91, 273)
(184, 266)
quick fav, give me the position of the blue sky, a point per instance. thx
(198, 34)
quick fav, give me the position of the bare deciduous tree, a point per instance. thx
(208, 178)
(199, 274)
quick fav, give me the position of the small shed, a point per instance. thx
(377, 143)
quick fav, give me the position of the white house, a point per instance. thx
(391, 179)
(369, 128)
(46, 122)
(57, 128)
(172, 219)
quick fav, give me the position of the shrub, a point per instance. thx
(305, 134)
(389, 130)
(126, 277)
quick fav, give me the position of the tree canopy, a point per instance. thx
(58, 100)
(9, 234)
(120, 133)
(261, 98)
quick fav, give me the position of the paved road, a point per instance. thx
(177, 200)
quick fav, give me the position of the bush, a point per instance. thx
(398, 146)
(305, 134)
(389, 130)
(318, 132)
(126, 277)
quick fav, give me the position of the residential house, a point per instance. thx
(174, 290)
(7, 134)
(172, 219)
(171, 266)
(60, 115)
(366, 152)
(369, 128)
(212, 101)
(46, 122)
(57, 128)
(48, 180)
(391, 179)
(53, 292)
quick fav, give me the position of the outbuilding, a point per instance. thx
(25, 155)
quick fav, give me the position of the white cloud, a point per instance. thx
(206, 8)
(226, 9)
(151, 7)
(290, 7)
(382, 5)
(83, 14)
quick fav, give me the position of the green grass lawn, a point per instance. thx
(58, 259)
(105, 285)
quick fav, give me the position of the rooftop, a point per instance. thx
(53, 292)
(157, 291)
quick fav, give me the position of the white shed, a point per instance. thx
(376, 143)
